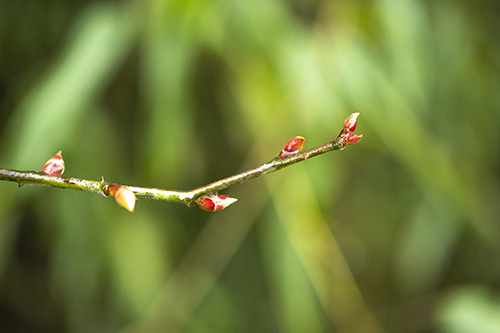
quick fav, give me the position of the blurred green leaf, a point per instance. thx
(51, 112)
(469, 309)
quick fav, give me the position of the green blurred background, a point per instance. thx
(398, 233)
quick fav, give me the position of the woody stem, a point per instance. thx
(186, 197)
(289, 156)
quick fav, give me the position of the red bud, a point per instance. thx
(214, 203)
(54, 166)
(353, 138)
(351, 122)
(292, 147)
(346, 137)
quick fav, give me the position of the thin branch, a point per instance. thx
(205, 196)
(266, 168)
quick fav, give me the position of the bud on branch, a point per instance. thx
(292, 147)
(214, 203)
(54, 166)
(346, 135)
(353, 138)
(123, 196)
(351, 122)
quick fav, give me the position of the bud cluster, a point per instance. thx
(346, 135)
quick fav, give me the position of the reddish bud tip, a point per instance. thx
(353, 138)
(215, 203)
(123, 196)
(351, 122)
(292, 147)
(54, 166)
(207, 204)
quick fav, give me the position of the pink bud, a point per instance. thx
(353, 138)
(215, 203)
(351, 122)
(123, 196)
(292, 147)
(54, 166)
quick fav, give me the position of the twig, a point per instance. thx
(205, 197)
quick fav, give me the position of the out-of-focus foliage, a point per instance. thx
(398, 233)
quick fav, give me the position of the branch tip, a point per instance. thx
(346, 137)
(351, 122)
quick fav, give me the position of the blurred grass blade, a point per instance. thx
(48, 118)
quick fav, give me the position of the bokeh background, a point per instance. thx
(398, 233)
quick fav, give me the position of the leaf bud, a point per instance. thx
(54, 166)
(292, 147)
(353, 138)
(351, 122)
(123, 196)
(214, 203)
